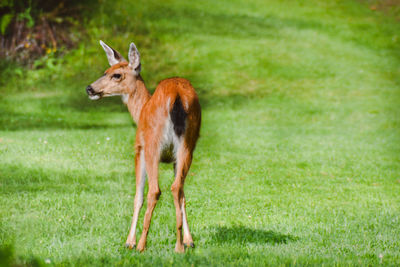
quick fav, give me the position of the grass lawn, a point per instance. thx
(298, 161)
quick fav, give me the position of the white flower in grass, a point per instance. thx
(47, 261)
(108, 138)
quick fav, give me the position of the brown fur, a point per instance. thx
(117, 66)
(148, 137)
(151, 114)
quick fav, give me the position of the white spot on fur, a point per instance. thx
(184, 220)
(142, 174)
(168, 103)
(94, 97)
(139, 195)
(125, 98)
(170, 138)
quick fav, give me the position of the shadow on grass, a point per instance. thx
(223, 24)
(80, 102)
(77, 112)
(69, 112)
(12, 121)
(16, 178)
(243, 235)
(230, 101)
(8, 258)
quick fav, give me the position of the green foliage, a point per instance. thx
(298, 159)
(15, 9)
(26, 15)
(7, 3)
(4, 22)
(30, 30)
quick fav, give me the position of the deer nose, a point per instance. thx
(89, 90)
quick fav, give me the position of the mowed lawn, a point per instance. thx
(298, 161)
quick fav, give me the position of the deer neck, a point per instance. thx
(136, 99)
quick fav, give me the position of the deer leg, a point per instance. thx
(152, 197)
(140, 183)
(184, 159)
(187, 237)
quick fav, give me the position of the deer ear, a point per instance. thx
(112, 55)
(134, 58)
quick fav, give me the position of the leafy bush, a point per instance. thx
(30, 29)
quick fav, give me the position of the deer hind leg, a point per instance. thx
(140, 183)
(184, 159)
(152, 196)
(187, 237)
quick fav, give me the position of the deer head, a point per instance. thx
(120, 78)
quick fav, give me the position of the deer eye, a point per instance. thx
(116, 76)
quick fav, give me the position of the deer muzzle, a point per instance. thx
(92, 93)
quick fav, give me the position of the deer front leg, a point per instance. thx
(140, 183)
(152, 198)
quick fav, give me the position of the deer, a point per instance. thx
(168, 126)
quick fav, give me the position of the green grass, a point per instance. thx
(298, 161)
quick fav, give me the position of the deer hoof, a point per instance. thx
(140, 247)
(130, 246)
(179, 248)
(191, 244)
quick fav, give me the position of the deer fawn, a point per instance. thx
(168, 125)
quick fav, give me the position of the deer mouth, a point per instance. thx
(95, 96)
